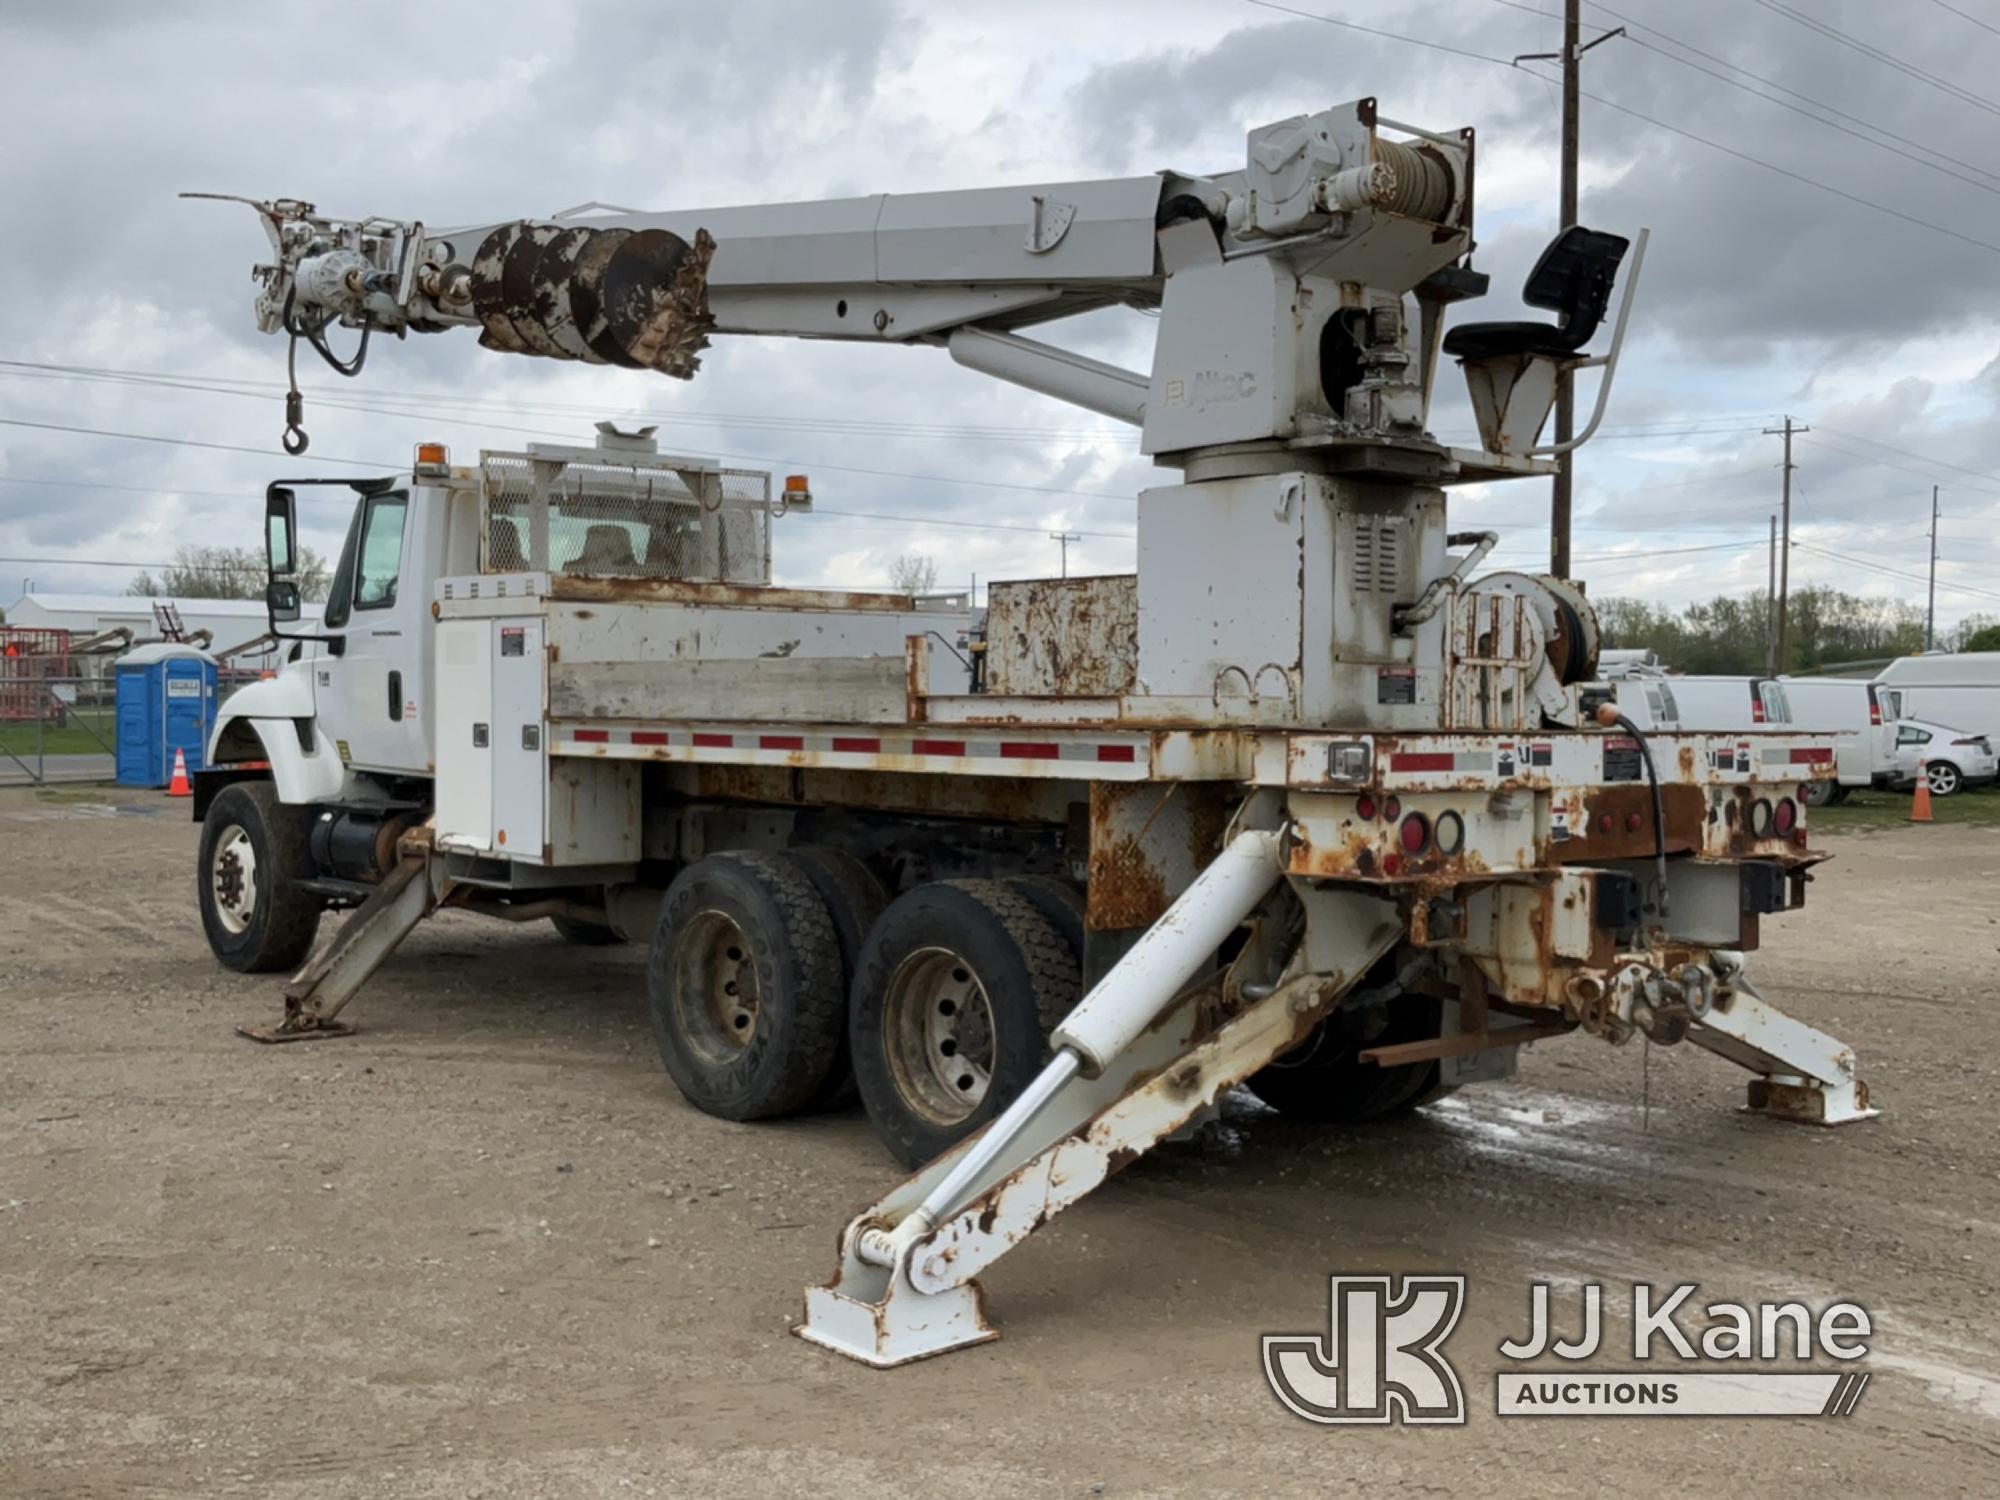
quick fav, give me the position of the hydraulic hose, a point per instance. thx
(1610, 718)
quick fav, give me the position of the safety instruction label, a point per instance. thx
(1621, 760)
(1396, 685)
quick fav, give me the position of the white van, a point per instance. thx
(1958, 688)
(1627, 661)
(1862, 714)
(1702, 704)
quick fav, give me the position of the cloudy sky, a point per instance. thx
(1832, 255)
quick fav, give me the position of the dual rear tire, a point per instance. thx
(771, 975)
(958, 987)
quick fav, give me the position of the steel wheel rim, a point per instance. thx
(716, 992)
(1943, 779)
(232, 879)
(938, 1032)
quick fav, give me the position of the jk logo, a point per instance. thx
(1380, 1362)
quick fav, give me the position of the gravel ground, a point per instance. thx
(482, 1249)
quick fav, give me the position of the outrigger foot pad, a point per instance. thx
(904, 1325)
(286, 1031)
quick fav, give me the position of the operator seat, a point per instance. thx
(504, 552)
(1572, 279)
(606, 549)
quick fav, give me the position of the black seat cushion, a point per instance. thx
(1573, 279)
(1487, 340)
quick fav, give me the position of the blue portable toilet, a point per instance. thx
(166, 702)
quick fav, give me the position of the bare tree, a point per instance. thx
(913, 573)
(225, 573)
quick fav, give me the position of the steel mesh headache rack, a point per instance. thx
(622, 510)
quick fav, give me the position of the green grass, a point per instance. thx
(75, 737)
(1871, 812)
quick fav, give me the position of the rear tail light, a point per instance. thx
(1364, 808)
(1874, 708)
(1449, 833)
(1392, 809)
(1760, 818)
(1786, 816)
(1756, 705)
(1973, 741)
(1415, 833)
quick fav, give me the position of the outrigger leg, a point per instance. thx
(408, 893)
(1140, 1055)
(1804, 1074)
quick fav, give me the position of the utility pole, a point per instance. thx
(1559, 499)
(1789, 431)
(1571, 57)
(1064, 538)
(1930, 610)
(1771, 607)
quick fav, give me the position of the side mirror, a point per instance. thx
(281, 526)
(281, 598)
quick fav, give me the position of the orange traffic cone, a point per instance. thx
(1920, 805)
(180, 786)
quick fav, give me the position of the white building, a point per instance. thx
(229, 622)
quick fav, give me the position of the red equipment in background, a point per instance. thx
(29, 657)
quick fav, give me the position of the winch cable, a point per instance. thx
(295, 439)
(1659, 801)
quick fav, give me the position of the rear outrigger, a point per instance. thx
(1307, 804)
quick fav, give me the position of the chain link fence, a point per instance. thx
(59, 717)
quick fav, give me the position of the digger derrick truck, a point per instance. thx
(1307, 804)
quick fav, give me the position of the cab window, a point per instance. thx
(379, 558)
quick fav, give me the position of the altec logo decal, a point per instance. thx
(1380, 1361)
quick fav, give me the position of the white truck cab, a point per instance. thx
(339, 750)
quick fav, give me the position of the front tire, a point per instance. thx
(253, 856)
(959, 985)
(743, 985)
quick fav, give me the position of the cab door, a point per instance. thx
(371, 677)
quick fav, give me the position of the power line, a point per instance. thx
(1848, 130)
(900, 517)
(1866, 49)
(1906, 453)
(1964, 15)
(1862, 562)
(1657, 124)
(1885, 463)
(249, 387)
(1769, 166)
(146, 437)
(1772, 83)
(1393, 36)
(273, 390)
(368, 408)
